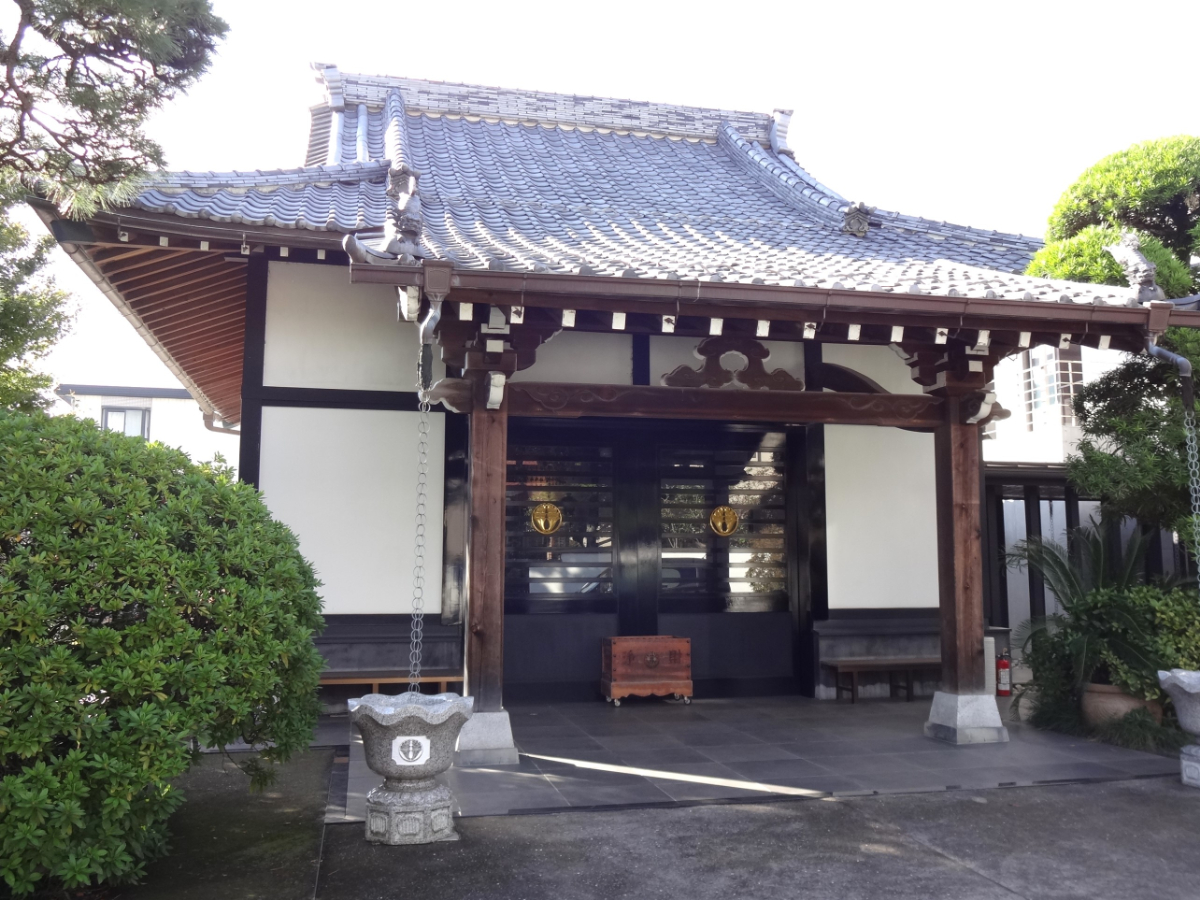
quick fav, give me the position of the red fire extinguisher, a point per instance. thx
(1003, 675)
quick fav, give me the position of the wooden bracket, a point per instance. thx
(713, 375)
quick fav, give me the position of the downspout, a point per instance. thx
(219, 429)
(1184, 365)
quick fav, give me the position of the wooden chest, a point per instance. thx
(655, 665)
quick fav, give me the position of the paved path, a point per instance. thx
(1131, 840)
(592, 755)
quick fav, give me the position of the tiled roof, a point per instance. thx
(536, 182)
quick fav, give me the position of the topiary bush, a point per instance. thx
(1153, 187)
(145, 602)
(1082, 257)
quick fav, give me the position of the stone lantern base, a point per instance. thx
(412, 812)
(1189, 765)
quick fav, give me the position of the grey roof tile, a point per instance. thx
(530, 181)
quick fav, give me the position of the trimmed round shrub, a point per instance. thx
(1152, 187)
(1082, 257)
(148, 605)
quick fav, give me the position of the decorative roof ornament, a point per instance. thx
(404, 222)
(780, 120)
(857, 219)
(1140, 272)
(331, 78)
(401, 239)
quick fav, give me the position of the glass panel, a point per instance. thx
(133, 422)
(114, 420)
(696, 561)
(576, 560)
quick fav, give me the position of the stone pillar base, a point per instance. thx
(414, 812)
(1189, 765)
(965, 719)
(486, 740)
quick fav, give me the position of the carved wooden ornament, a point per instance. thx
(713, 375)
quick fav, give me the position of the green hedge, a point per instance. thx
(145, 602)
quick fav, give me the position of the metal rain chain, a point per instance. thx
(1193, 464)
(424, 383)
(418, 593)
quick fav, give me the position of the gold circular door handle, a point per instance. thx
(546, 518)
(724, 521)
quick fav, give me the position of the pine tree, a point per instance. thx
(1132, 451)
(80, 79)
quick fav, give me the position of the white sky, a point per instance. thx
(980, 114)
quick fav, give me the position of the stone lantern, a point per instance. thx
(1184, 687)
(408, 739)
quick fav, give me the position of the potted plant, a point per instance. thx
(1090, 659)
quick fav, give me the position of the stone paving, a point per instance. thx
(591, 755)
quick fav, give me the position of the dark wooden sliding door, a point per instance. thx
(635, 552)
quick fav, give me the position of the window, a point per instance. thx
(1051, 379)
(133, 422)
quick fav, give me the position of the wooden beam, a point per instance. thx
(731, 299)
(485, 573)
(232, 279)
(526, 398)
(960, 561)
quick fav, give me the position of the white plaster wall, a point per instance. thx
(881, 364)
(581, 357)
(668, 352)
(345, 481)
(323, 332)
(881, 517)
(179, 423)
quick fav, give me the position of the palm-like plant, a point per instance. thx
(1085, 632)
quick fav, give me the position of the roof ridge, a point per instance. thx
(919, 223)
(543, 106)
(782, 180)
(254, 177)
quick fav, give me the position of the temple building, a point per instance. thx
(679, 387)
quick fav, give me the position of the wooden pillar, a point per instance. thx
(485, 572)
(960, 561)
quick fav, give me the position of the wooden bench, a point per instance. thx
(852, 665)
(442, 679)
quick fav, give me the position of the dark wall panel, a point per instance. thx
(555, 648)
(374, 643)
(735, 645)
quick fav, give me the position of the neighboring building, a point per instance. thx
(639, 314)
(1038, 386)
(167, 416)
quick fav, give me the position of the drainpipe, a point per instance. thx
(425, 330)
(219, 429)
(1184, 366)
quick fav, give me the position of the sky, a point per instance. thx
(978, 114)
